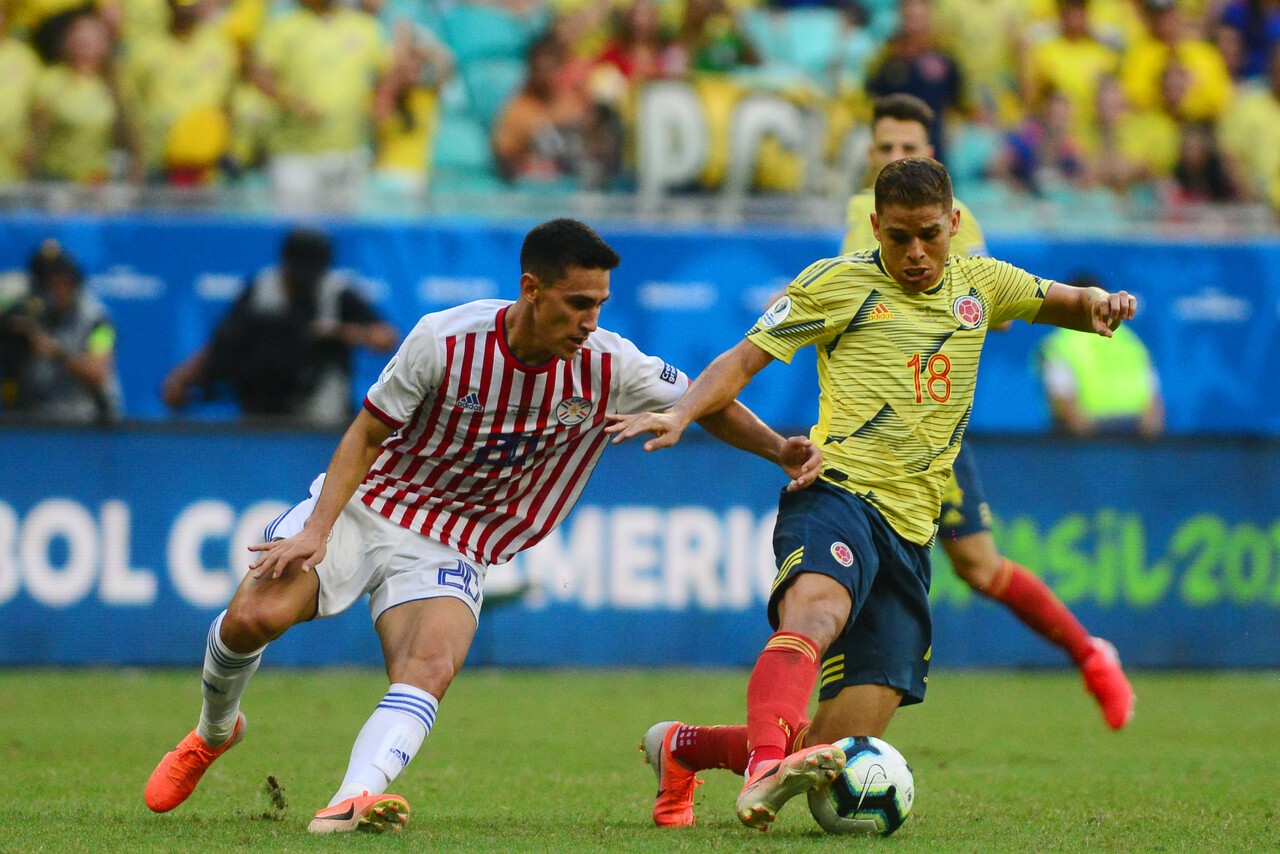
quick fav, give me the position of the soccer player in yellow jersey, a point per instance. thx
(900, 128)
(898, 331)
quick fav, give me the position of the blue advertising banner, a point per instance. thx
(1210, 313)
(120, 547)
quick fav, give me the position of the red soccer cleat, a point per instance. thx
(1107, 683)
(808, 770)
(377, 813)
(176, 776)
(673, 807)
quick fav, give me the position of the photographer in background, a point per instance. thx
(285, 347)
(57, 345)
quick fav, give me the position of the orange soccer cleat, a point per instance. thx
(176, 776)
(673, 806)
(376, 813)
(809, 770)
(1107, 683)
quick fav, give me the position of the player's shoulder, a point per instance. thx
(464, 319)
(607, 341)
(861, 202)
(860, 268)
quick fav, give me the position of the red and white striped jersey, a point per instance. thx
(489, 454)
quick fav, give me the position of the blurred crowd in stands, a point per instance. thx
(326, 101)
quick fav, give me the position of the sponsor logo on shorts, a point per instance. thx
(573, 410)
(777, 313)
(842, 553)
(968, 311)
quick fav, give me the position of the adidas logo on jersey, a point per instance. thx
(470, 402)
(880, 312)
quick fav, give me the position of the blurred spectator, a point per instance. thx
(20, 70)
(77, 118)
(57, 345)
(712, 38)
(1044, 155)
(640, 50)
(321, 63)
(1097, 385)
(1250, 133)
(405, 110)
(1126, 147)
(179, 84)
(985, 37)
(538, 135)
(1200, 174)
(1070, 63)
(285, 347)
(1251, 27)
(912, 62)
(1209, 84)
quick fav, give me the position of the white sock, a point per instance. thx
(226, 674)
(389, 739)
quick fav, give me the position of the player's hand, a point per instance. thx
(1112, 310)
(802, 461)
(666, 427)
(305, 549)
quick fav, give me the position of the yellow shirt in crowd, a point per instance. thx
(20, 70)
(1254, 116)
(896, 371)
(332, 62)
(405, 147)
(1072, 68)
(1208, 91)
(168, 78)
(82, 116)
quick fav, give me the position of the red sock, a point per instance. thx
(701, 747)
(778, 695)
(1034, 603)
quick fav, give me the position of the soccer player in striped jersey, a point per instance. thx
(473, 444)
(899, 129)
(898, 331)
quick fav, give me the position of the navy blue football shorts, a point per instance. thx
(964, 504)
(887, 641)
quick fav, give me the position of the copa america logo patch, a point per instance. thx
(573, 410)
(968, 311)
(386, 372)
(842, 553)
(777, 313)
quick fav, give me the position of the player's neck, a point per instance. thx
(518, 332)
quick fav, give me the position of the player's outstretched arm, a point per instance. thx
(1086, 309)
(713, 390)
(351, 461)
(739, 426)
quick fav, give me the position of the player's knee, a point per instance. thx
(433, 672)
(815, 606)
(252, 622)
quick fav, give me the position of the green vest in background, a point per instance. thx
(1113, 375)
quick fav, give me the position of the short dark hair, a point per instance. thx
(306, 249)
(550, 249)
(904, 108)
(914, 182)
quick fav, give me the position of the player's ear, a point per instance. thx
(875, 226)
(955, 221)
(529, 287)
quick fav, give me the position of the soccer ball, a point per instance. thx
(874, 794)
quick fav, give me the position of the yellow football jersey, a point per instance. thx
(968, 241)
(896, 370)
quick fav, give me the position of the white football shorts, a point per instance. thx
(368, 553)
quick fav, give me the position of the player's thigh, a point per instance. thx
(425, 641)
(826, 559)
(856, 710)
(964, 510)
(262, 609)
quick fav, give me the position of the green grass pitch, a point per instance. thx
(547, 761)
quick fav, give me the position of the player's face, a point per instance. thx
(893, 140)
(568, 310)
(915, 242)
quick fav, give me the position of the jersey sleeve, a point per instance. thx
(799, 317)
(1014, 294)
(646, 383)
(408, 378)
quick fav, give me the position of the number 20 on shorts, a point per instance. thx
(939, 368)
